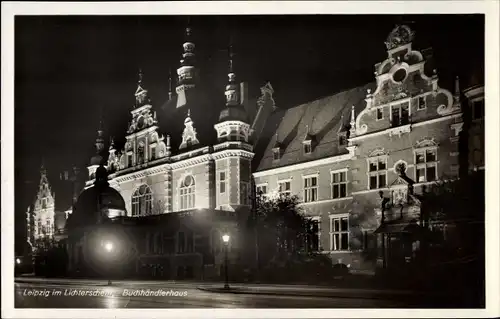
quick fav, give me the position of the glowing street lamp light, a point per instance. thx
(18, 261)
(108, 247)
(225, 239)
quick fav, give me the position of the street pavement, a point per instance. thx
(64, 293)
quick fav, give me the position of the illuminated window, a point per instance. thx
(187, 193)
(142, 201)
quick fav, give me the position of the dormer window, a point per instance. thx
(307, 147)
(342, 139)
(421, 103)
(276, 154)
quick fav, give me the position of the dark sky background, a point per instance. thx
(69, 67)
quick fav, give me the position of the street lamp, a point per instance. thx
(18, 261)
(108, 247)
(225, 239)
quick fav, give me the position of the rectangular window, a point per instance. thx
(478, 110)
(339, 233)
(44, 203)
(261, 190)
(400, 115)
(426, 165)
(307, 148)
(129, 160)
(377, 171)
(339, 184)
(285, 187)
(314, 235)
(222, 182)
(310, 189)
(421, 103)
(153, 153)
(380, 114)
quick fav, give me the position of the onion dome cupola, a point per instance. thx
(233, 120)
(187, 72)
(97, 204)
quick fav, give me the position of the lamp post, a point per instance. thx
(108, 247)
(225, 239)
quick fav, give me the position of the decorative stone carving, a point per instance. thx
(189, 133)
(399, 36)
(400, 130)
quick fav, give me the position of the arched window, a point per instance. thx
(142, 201)
(187, 195)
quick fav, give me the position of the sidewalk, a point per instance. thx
(313, 291)
(102, 282)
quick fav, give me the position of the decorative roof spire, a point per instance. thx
(141, 95)
(43, 170)
(352, 130)
(111, 143)
(341, 126)
(457, 87)
(232, 94)
(139, 82)
(99, 141)
(169, 84)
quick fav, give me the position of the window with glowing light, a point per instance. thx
(142, 201)
(187, 193)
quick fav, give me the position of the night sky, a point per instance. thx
(69, 67)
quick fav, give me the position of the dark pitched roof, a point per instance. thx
(323, 117)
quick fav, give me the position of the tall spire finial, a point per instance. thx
(169, 84)
(140, 76)
(456, 95)
(100, 128)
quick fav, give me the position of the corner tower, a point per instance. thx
(233, 154)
